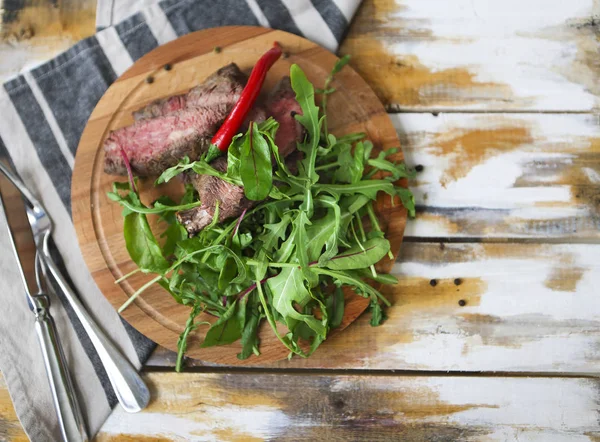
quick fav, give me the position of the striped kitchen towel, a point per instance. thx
(43, 113)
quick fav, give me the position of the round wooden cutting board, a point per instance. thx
(98, 221)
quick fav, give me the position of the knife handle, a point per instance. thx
(129, 387)
(63, 393)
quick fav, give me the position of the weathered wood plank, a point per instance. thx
(10, 428)
(533, 176)
(535, 55)
(284, 407)
(33, 31)
(477, 54)
(528, 308)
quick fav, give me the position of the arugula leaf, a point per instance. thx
(305, 95)
(377, 315)
(361, 255)
(201, 167)
(368, 147)
(408, 200)
(142, 245)
(337, 67)
(256, 170)
(249, 339)
(351, 166)
(174, 232)
(131, 202)
(289, 290)
(268, 127)
(369, 188)
(170, 173)
(270, 319)
(398, 170)
(182, 341)
(273, 233)
(226, 330)
(380, 277)
(335, 307)
(346, 277)
(339, 64)
(300, 222)
(228, 272)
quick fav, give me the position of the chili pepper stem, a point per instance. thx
(212, 153)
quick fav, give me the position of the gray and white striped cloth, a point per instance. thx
(42, 115)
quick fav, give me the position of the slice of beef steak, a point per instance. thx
(222, 87)
(212, 189)
(178, 126)
(281, 105)
(152, 145)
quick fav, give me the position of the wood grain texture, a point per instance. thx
(292, 407)
(479, 55)
(509, 176)
(98, 221)
(528, 308)
(33, 31)
(10, 428)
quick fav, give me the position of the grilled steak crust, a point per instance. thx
(222, 87)
(281, 105)
(169, 129)
(155, 144)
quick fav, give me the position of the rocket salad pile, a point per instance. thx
(286, 259)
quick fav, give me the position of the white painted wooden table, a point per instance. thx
(499, 102)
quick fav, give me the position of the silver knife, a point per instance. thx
(129, 387)
(63, 394)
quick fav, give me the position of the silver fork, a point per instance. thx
(130, 389)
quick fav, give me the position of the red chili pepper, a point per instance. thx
(236, 117)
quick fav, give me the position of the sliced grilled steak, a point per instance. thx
(221, 87)
(281, 105)
(152, 145)
(212, 189)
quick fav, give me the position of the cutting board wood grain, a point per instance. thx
(98, 221)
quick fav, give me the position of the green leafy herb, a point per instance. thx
(335, 307)
(142, 245)
(183, 338)
(305, 95)
(289, 293)
(337, 67)
(360, 256)
(255, 166)
(226, 330)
